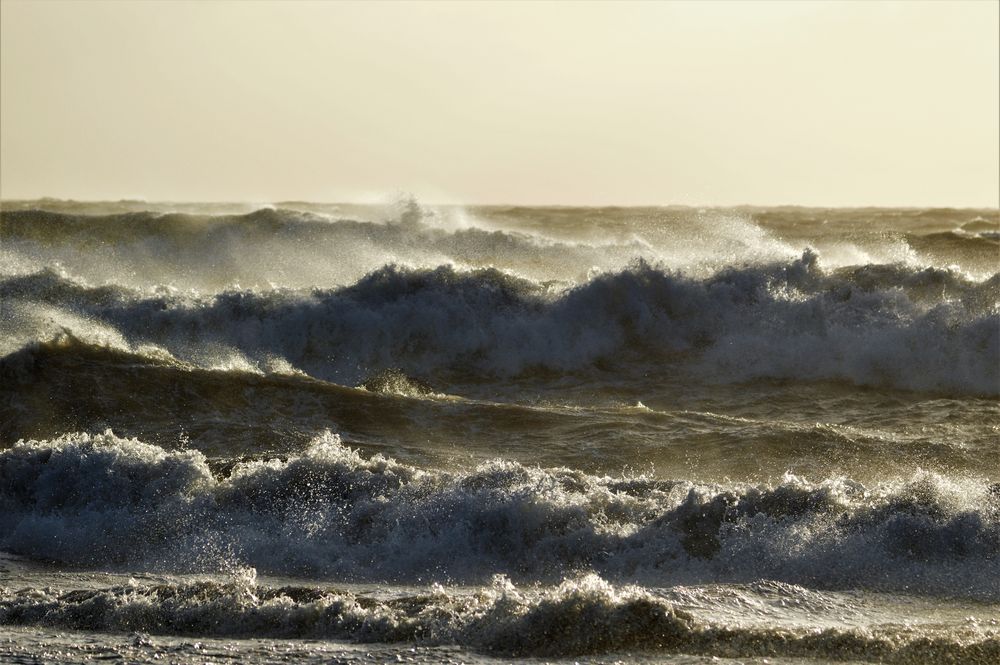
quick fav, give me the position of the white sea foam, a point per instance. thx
(887, 326)
(331, 512)
(580, 616)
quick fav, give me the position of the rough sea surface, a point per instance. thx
(320, 433)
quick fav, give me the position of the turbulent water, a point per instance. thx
(366, 433)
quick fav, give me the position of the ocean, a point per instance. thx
(410, 433)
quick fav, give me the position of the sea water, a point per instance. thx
(306, 432)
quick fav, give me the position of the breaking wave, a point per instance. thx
(285, 247)
(875, 325)
(330, 512)
(579, 617)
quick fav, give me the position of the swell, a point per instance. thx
(187, 231)
(875, 325)
(979, 248)
(500, 619)
(331, 512)
(67, 384)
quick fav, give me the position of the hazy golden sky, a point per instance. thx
(711, 103)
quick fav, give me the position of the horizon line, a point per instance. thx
(276, 202)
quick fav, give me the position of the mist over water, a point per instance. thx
(480, 432)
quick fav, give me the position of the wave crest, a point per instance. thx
(894, 326)
(331, 511)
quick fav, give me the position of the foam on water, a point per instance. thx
(579, 616)
(102, 500)
(887, 326)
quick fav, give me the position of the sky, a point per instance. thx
(712, 103)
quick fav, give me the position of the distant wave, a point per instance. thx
(294, 247)
(985, 243)
(331, 512)
(878, 325)
(982, 225)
